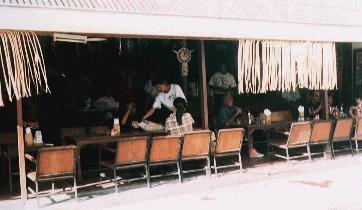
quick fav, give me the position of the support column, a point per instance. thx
(20, 129)
(203, 89)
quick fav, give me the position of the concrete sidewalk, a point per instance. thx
(321, 184)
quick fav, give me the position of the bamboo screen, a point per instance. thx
(284, 65)
(21, 64)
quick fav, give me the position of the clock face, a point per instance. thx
(184, 55)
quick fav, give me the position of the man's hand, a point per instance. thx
(238, 111)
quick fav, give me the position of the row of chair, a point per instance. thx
(59, 163)
(146, 152)
(320, 132)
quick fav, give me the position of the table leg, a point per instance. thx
(267, 143)
(79, 167)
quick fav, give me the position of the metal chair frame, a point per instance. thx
(289, 146)
(349, 138)
(117, 167)
(237, 152)
(206, 157)
(53, 177)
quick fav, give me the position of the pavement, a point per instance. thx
(298, 184)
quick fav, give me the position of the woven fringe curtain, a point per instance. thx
(284, 65)
(21, 64)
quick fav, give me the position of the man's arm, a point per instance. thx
(351, 111)
(232, 119)
(318, 109)
(126, 115)
(149, 113)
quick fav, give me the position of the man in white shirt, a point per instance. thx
(166, 96)
(221, 83)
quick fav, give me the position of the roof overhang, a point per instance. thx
(169, 26)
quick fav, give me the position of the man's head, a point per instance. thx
(222, 68)
(316, 96)
(229, 101)
(161, 84)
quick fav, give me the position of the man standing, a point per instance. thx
(164, 100)
(221, 83)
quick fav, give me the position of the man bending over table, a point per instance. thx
(229, 116)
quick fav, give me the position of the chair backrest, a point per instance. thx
(8, 138)
(98, 130)
(358, 131)
(56, 161)
(77, 131)
(131, 150)
(229, 140)
(299, 133)
(279, 116)
(196, 144)
(343, 128)
(321, 131)
(164, 148)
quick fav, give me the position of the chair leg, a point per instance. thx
(287, 152)
(240, 163)
(333, 156)
(75, 188)
(356, 145)
(350, 145)
(179, 170)
(99, 165)
(208, 169)
(10, 176)
(309, 155)
(215, 168)
(115, 180)
(37, 192)
(148, 176)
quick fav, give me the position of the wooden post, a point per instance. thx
(326, 108)
(20, 128)
(327, 148)
(203, 89)
(184, 84)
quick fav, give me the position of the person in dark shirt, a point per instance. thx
(228, 116)
(314, 105)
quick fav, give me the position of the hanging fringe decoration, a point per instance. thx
(22, 64)
(286, 65)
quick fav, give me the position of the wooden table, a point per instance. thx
(267, 127)
(81, 141)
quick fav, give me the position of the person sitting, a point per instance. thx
(180, 122)
(228, 116)
(314, 105)
(167, 93)
(356, 111)
(129, 117)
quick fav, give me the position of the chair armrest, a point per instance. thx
(30, 158)
(106, 148)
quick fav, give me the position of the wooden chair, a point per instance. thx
(342, 132)
(321, 133)
(131, 152)
(358, 132)
(196, 146)
(52, 164)
(298, 137)
(229, 143)
(9, 141)
(165, 150)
